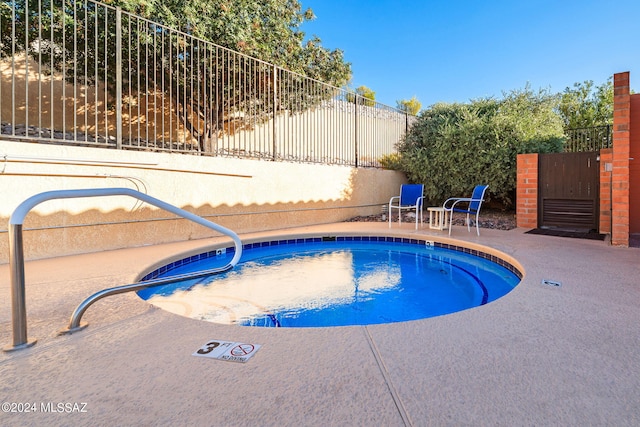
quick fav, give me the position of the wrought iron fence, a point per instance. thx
(588, 139)
(86, 73)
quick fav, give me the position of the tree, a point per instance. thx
(411, 106)
(364, 96)
(453, 147)
(269, 30)
(361, 95)
(177, 43)
(585, 105)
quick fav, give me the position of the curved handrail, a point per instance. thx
(74, 322)
(16, 252)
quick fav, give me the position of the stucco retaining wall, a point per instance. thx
(243, 195)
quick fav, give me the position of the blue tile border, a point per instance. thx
(329, 239)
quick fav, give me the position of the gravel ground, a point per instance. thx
(489, 218)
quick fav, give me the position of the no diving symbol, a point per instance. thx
(227, 350)
(242, 350)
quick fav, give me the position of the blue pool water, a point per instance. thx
(334, 282)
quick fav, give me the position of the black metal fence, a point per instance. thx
(588, 139)
(86, 73)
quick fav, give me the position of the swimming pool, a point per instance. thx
(334, 281)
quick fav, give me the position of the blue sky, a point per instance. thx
(459, 50)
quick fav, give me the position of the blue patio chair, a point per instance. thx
(472, 204)
(410, 198)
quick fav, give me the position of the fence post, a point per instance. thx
(355, 132)
(275, 104)
(118, 78)
(406, 122)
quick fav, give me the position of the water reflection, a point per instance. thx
(297, 282)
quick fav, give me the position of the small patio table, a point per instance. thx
(438, 217)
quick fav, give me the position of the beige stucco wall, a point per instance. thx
(243, 195)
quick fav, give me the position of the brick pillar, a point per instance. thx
(634, 165)
(527, 191)
(606, 163)
(620, 173)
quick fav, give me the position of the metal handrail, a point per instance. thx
(16, 255)
(74, 323)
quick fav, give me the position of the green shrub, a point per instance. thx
(391, 161)
(453, 147)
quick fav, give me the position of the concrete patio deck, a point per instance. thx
(541, 355)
